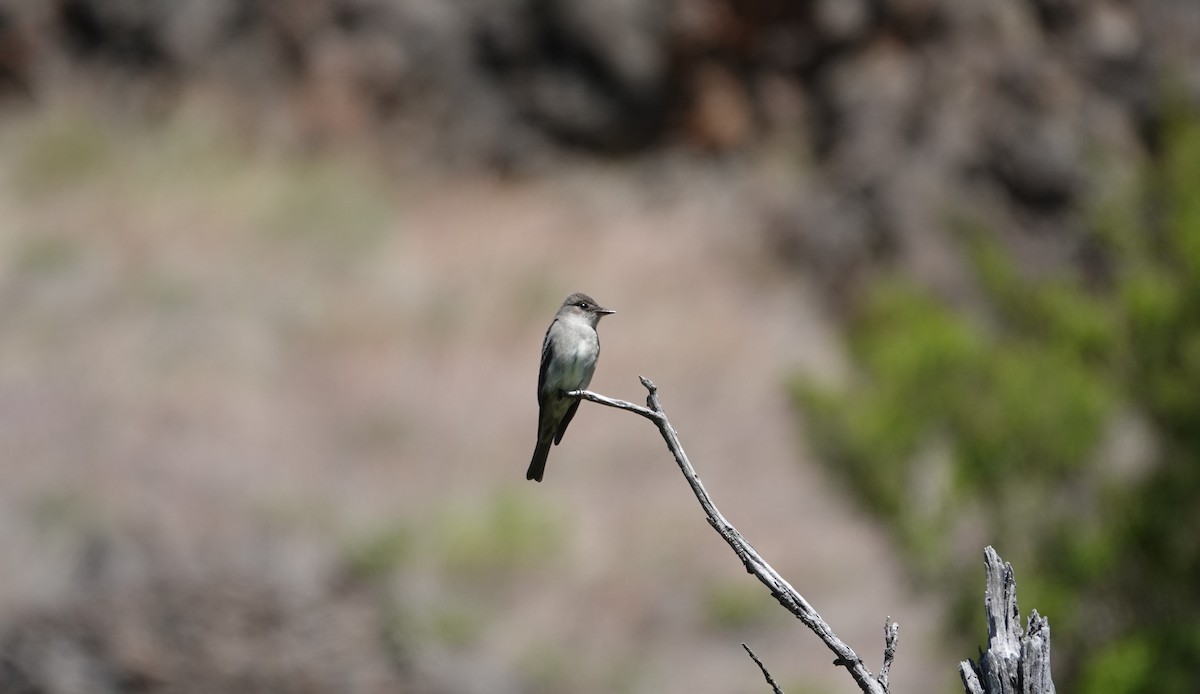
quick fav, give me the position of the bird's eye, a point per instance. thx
(582, 304)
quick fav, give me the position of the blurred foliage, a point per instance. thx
(45, 255)
(801, 685)
(506, 533)
(328, 204)
(547, 667)
(736, 605)
(567, 665)
(987, 427)
(380, 552)
(187, 169)
(62, 152)
(454, 624)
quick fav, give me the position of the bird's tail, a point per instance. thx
(537, 466)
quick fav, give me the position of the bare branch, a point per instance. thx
(787, 596)
(1014, 662)
(611, 402)
(770, 680)
(891, 636)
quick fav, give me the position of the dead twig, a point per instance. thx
(782, 591)
(766, 673)
(891, 636)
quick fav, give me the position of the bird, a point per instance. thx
(569, 353)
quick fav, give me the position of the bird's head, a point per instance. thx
(583, 306)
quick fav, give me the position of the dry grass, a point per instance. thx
(265, 418)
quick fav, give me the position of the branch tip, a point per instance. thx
(766, 673)
(891, 636)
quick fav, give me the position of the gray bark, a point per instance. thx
(1015, 662)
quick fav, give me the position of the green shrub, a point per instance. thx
(1018, 395)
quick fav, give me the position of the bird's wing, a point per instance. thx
(547, 357)
(562, 425)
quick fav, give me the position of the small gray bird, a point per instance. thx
(569, 353)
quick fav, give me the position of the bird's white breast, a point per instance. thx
(574, 367)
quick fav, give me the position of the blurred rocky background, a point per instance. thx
(913, 276)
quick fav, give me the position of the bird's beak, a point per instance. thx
(604, 311)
